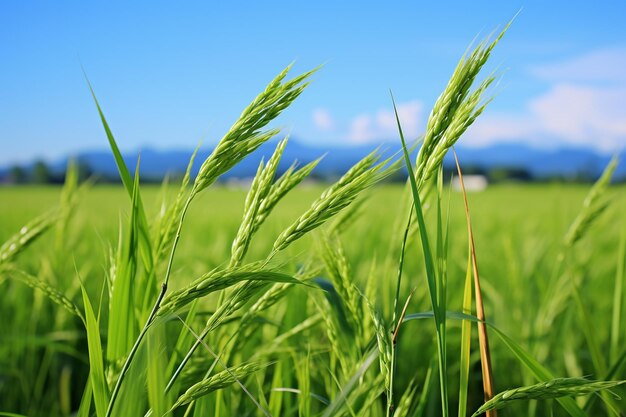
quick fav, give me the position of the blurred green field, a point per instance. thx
(515, 225)
(518, 232)
(510, 212)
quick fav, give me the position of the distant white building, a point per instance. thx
(472, 182)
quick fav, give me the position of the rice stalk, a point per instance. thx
(307, 324)
(333, 333)
(466, 337)
(48, 290)
(26, 235)
(68, 201)
(429, 381)
(349, 386)
(145, 245)
(338, 196)
(246, 134)
(243, 138)
(559, 288)
(348, 217)
(272, 296)
(218, 280)
(260, 188)
(384, 342)
(303, 377)
(455, 109)
(280, 188)
(431, 275)
(216, 382)
(556, 388)
(339, 272)
(97, 378)
(406, 401)
(483, 339)
(365, 398)
(122, 326)
(593, 206)
(276, 293)
(169, 218)
(240, 297)
(204, 384)
(618, 294)
(394, 354)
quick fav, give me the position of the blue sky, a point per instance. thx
(169, 74)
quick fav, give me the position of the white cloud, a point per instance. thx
(323, 120)
(566, 114)
(581, 114)
(605, 65)
(382, 125)
(361, 129)
(492, 127)
(585, 106)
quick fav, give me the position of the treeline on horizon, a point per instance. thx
(41, 173)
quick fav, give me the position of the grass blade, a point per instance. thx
(466, 338)
(618, 294)
(430, 273)
(156, 365)
(96, 364)
(540, 372)
(122, 322)
(483, 339)
(85, 401)
(429, 380)
(347, 388)
(406, 401)
(127, 180)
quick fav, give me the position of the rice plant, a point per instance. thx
(305, 306)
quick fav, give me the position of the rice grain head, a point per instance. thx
(556, 388)
(455, 109)
(362, 175)
(258, 192)
(218, 381)
(593, 206)
(383, 338)
(246, 135)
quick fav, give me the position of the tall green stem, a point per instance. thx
(153, 312)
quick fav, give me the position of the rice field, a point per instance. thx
(518, 231)
(287, 298)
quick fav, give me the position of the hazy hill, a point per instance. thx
(539, 163)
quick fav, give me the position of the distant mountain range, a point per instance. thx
(539, 163)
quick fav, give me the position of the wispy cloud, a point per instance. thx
(583, 114)
(604, 65)
(381, 125)
(585, 105)
(323, 120)
(566, 114)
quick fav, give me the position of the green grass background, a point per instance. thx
(518, 229)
